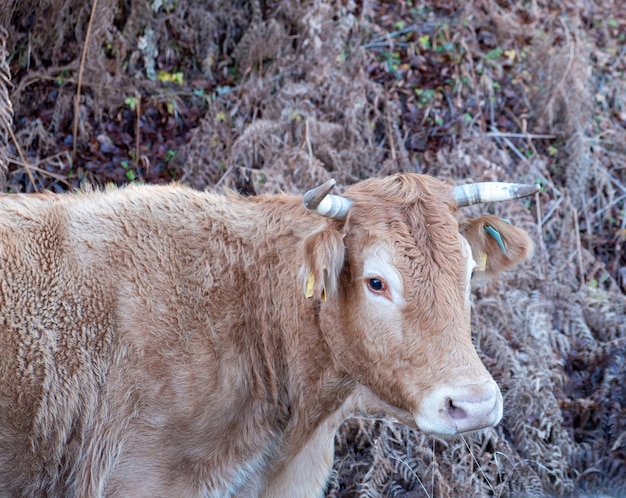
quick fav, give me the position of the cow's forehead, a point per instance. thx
(397, 205)
(423, 228)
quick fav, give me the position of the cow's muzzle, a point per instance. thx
(453, 410)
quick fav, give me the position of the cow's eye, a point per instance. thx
(376, 285)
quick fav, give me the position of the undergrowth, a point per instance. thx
(263, 96)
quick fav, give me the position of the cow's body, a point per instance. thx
(157, 341)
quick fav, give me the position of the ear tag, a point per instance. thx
(483, 262)
(496, 235)
(309, 286)
(310, 283)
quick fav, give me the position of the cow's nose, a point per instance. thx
(473, 407)
(454, 409)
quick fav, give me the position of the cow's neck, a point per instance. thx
(293, 365)
(317, 387)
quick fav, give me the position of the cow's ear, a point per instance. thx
(324, 254)
(496, 244)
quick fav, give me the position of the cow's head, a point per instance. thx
(392, 270)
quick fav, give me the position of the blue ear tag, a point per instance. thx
(496, 235)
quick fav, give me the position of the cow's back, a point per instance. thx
(122, 330)
(55, 336)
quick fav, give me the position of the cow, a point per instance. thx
(162, 341)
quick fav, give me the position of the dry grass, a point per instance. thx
(482, 90)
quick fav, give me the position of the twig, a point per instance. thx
(491, 99)
(137, 128)
(615, 182)
(81, 68)
(612, 204)
(25, 164)
(511, 146)
(551, 211)
(28, 167)
(618, 249)
(385, 45)
(478, 465)
(432, 484)
(307, 139)
(585, 206)
(381, 39)
(390, 133)
(34, 167)
(544, 253)
(538, 136)
(579, 249)
(570, 63)
(223, 177)
(483, 124)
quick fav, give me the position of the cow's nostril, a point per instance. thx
(455, 412)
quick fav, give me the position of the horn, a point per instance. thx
(475, 193)
(321, 202)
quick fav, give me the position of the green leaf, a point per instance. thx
(131, 102)
(494, 54)
(167, 77)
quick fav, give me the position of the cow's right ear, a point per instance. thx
(324, 255)
(496, 244)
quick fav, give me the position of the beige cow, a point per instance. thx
(156, 341)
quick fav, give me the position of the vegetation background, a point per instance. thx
(268, 95)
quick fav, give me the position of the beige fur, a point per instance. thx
(156, 340)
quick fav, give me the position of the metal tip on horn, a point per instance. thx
(476, 193)
(331, 206)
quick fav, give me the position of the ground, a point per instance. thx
(266, 95)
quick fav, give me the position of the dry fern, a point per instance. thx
(308, 114)
(6, 108)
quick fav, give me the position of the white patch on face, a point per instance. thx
(377, 264)
(470, 264)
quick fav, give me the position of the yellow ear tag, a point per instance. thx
(309, 286)
(483, 262)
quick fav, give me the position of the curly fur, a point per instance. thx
(156, 340)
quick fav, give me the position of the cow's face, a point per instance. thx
(398, 317)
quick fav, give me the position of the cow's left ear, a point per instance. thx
(496, 244)
(324, 254)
